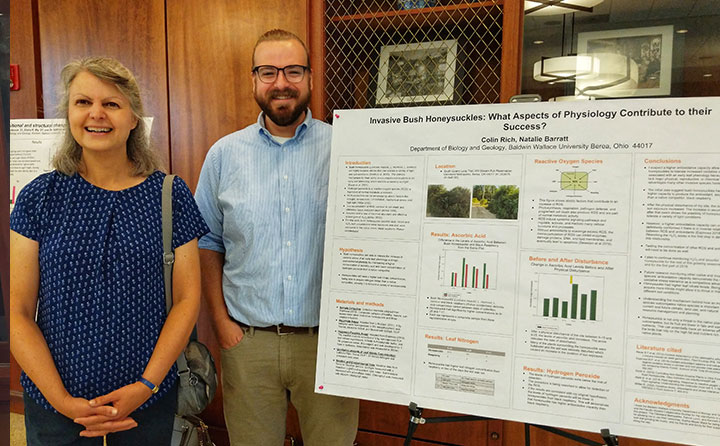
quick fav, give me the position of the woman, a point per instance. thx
(86, 250)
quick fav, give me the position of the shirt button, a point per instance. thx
(289, 243)
(290, 311)
(284, 149)
(287, 209)
(289, 277)
(285, 177)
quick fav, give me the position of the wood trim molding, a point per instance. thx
(316, 45)
(512, 38)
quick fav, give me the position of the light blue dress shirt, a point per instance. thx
(265, 204)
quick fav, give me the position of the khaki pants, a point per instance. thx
(261, 373)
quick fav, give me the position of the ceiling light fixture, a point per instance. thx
(550, 7)
(617, 76)
(561, 69)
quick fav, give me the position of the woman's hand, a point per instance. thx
(74, 408)
(122, 402)
(101, 419)
(103, 428)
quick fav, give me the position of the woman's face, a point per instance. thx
(99, 115)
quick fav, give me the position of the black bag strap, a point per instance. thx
(168, 261)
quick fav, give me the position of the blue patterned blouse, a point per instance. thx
(101, 302)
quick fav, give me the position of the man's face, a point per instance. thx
(283, 102)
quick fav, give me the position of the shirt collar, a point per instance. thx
(307, 122)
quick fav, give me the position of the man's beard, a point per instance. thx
(283, 116)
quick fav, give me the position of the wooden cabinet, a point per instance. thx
(356, 47)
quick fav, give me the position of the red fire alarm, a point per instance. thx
(14, 77)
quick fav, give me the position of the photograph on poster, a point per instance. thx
(491, 201)
(650, 47)
(446, 202)
(417, 73)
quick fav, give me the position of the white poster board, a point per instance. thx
(557, 264)
(33, 142)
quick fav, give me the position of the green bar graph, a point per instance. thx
(579, 301)
(468, 279)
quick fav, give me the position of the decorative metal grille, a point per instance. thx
(402, 53)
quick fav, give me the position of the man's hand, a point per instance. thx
(228, 332)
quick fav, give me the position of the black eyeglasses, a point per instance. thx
(268, 73)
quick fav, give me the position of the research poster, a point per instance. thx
(551, 263)
(33, 142)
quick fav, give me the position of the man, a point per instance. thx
(263, 192)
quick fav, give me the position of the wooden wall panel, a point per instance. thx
(209, 70)
(209, 62)
(133, 31)
(25, 102)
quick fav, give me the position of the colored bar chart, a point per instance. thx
(570, 297)
(469, 270)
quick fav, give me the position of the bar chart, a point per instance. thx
(570, 297)
(469, 270)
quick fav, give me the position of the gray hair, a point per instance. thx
(139, 152)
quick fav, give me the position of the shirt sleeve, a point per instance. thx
(207, 200)
(26, 217)
(188, 223)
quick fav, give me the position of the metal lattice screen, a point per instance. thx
(402, 53)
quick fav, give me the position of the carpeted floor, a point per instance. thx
(17, 430)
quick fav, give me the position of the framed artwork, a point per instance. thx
(651, 48)
(417, 73)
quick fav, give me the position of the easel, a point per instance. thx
(417, 419)
(610, 440)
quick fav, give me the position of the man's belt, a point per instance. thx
(282, 330)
